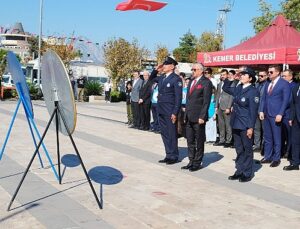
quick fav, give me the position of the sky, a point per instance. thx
(98, 21)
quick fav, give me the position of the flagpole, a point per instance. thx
(40, 43)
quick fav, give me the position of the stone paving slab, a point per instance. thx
(150, 195)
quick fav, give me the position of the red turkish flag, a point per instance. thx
(140, 5)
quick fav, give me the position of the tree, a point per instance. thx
(209, 42)
(291, 10)
(63, 51)
(161, 53)
(3, 54)
(261, 22)
(186, 52)
(121, 58)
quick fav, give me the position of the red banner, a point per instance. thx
(251, 57)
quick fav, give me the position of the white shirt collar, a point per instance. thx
(246, 85)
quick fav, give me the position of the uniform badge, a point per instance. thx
(180, 84)
(168, 85)
(243, 99)
(256, 99)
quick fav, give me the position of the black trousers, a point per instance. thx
(136, 113)
(295, 136)
(244, 151)
(195, 135)
(145, 116)
(169, 136)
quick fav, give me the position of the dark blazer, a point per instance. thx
(198, 100)
(245, 105)
(145, 92)
(287, 112)
(295, 104)
(277, 102)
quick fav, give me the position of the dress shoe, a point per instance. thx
(227, 145)
(219, 144)
(235, 177)
(163, 160)
(188, 166)
(264, 161)
(245, 179)
(291, 167)
(171, 161)
(275, 163)
(195, 168)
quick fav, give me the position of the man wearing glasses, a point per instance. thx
(258, 131)
(197, 104)
(274, 103)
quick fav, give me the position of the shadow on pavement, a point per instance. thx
(105, 175)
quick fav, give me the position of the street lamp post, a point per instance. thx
(40, 43)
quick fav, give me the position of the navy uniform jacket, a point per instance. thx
(169, 93)
(245, 105)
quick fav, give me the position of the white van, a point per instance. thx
(7, 80)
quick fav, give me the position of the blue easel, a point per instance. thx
(31, 123)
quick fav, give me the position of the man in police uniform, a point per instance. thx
(243, 118)
(168, 107)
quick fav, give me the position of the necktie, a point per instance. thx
(193, 86)
(298, 91)
(271, 89)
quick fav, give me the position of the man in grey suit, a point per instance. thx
(135, 106)
(223, 110)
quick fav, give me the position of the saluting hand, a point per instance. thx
(173, 118)
(250, 133)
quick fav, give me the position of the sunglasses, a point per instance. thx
(194, 69)
(262, 76)
(206, 72)
(270, 72)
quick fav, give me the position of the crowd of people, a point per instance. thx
(246, 110)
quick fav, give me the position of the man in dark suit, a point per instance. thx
(274, 103)
(197, 104)
(295, 132)
(135, 93)
(145, 101)
(288, 75)
(168, 107)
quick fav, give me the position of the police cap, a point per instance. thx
(250, 72)
(170, 60)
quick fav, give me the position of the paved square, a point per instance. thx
(137, 191)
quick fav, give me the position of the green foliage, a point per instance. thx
(93, 88)
(267, 15)
(34, 91)
(3, 54)
(209, 42)
(186, 52)
(116, 96)
(291, 10)
(122, 57)
(161, 52)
